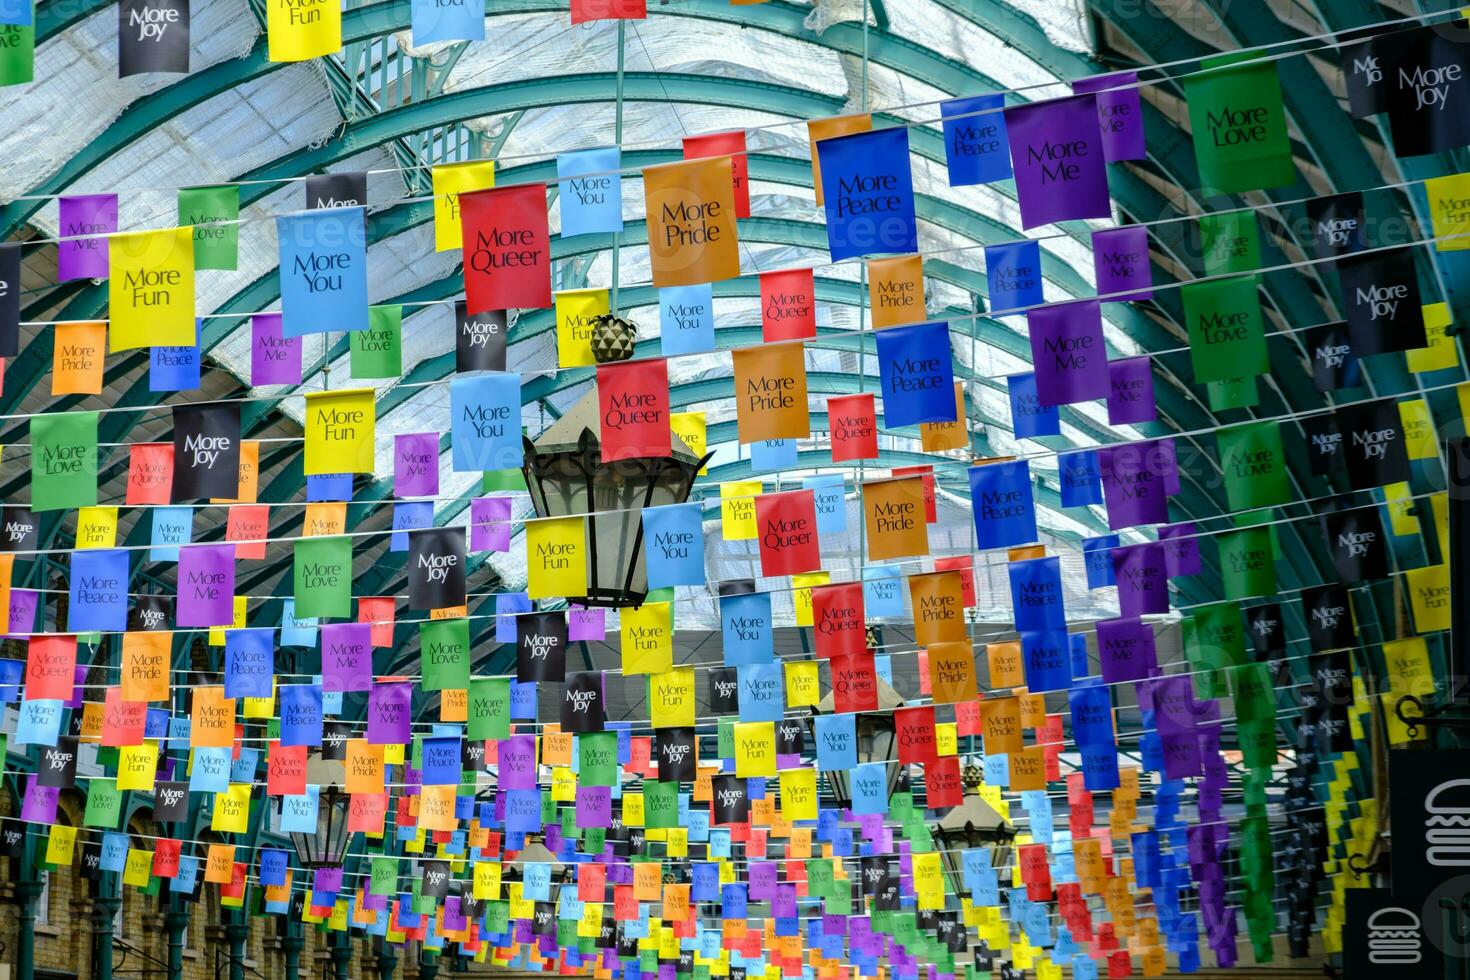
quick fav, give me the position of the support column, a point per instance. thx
(292, 943)
(387, 961)
(104, 911)
(428, 966)
(341, 957)
(176, 922)
(26, 894)
(237, 932)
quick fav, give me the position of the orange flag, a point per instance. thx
(770, 392)
(691, 222)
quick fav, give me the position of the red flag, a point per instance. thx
(917, 741)
(855, 682)
(854, 426)
(931, 514)
(967, 718)
(787, 523)
(589, 10)
(788, 305)
(964, 564)
(837, 619)
(123, 722)
(942, 777)
(150, 473)
(507, 248)
(51, 664)
(733, 146)
(166, 858)
(285, 770)
(633, 408)
(248, 526)
(379, 612)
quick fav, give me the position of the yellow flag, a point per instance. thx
(928, 880)
(1409, 671)
(1429, 597)
(802, 686)
(576, 311)
(1449, 211)
(340, 429)
(689, 428)
(487, 880)
(801, 596)
(1418, 428)
(232, 810)
(301, 29)
(755, 748)
(136, 766)
(946, 738)
(138, 867)
(647, 638)
(450, 181)
(737, 509)
(1441, 352)
(1462, 391)
(60, 845)
(556, 557)
(671, 696)
(1439, 508)
(96, 527)
(1400, 500)
(799, 794)
(150, 289)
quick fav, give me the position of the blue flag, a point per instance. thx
(296, 632)
(772, 455)
(745, 621)
(328, 486)
(882, 591)
(1030, 418)
(917, 371)
(1092, 715)
(1013, 271)
(485, 421)
(272, 866)
(172, 526)
(99, 591)
(686, 317)
(441, 759)
(1001, 500)
(249, 662)
(507, 606)
(762, 692)
(1080, 666)
(447, 20)
(1097, 556)
(1047, 656)
(829, 496)
(1080, 478)
(323, 271)
(868, 191)
(975, 143)
(1036, 594)
(869, 787)
(591, 191)
(301, 714)
(409, 515)
(173, 369)
(836, 742)
(673, 539)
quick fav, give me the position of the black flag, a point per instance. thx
(436, 568)
(1329, 618)
(1356, 540)
(9, 299)
(1373, 443)
(1380, 292)
(581, 705)
(479, 339)
(340, 190)
(1334, 365)
(18, 529)
(1427, 75)
(731, 801)
(206, 451)
(1324, 445)
(152, 36)
(724, 691)
(1337, 225)
(677, 758)
(541, 647)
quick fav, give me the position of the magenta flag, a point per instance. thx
(490, 524)
(1119, 114)
(206, 585)
(85, 258)
(1120, 264)
(585, 623)
(416, 464)
(347, 656)
(1057, 153)
(275, 359)
(1131, 391)
(1067, 352)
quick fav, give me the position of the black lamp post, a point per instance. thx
(974, 823)
(568, 477)
(327, 846)
(877, 741)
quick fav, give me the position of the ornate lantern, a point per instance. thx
(327, 846)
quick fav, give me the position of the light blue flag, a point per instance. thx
(998, 769)
(883, 667)
(975, 861)
(211, 772)
(882, 591)
(188, 874)
(409, 515)
(485, 421)
(686, 316)
(296, 632)
(762, 692)
(243, 766)
(114, 851)
(746, 624)
(447, 20)
(536, 884)
(172, 526)
(869, 783)
(591, 192)
(298, 813)
(673, 536)
(772, 455)
(836, 741)
(829, 496)
(39, 722)
(323, 271)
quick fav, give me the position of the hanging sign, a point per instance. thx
(1057, 152)
(206, 451)
(84, 226)
(507, 248)
(787, 527)
(1029, 418)
(340, 430)
(1119, 114)
(1131, 391)
(1067, 352)
(450, 180)
(150, 289)
(732, 145)
(1238, 122)
(1223, 317)
(975, 144)
(1121, 265)
(1380, 292)
(868, 193)
(915, 365)
(771, 392)
(633, 403)
(485, 422)
(323, 268)
(788, 305)
(436, 575)
(298, 30)
(896, 290)
(591, 191)
(691, 222)
(893, 512)
(686, 319)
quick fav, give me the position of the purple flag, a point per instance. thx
(1171, 700)
(1119, 115)
(389, 713)
(1133, 485)
(416, 464)
(1126, 650)
(1131, 391)
(206, 585)
(1168, 464)
(85, 258)
(517, 762)
(490, 524)
(274, 359)
(1181, 549)
(1056, 149)
(1143, 580)
(39, 805)
(1120, 262)
(1068, 353)
(23, 606)
(347, 656)
(586, 624)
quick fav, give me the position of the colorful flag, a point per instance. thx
(1057, 152)
(975, 144)
(1239, 124)
(298, 30)
(692, 236)
(450, 180)
(915, 365)
(322, 267)
(340, 430)
(868, 193)
(788, 305)
(591, 191)
(896, 290)
(770, 392)
(507, 248)
(1068, 353)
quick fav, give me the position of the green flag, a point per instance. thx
(1254, 466)
(1226, 339)
(377, 352)
(104, 804)
(597, 758)
(1255, 697)
(1234, 393)
(444, 654)
(323, 577)
(1230, 242)
(17, 53)
(63, 460)
(1247, 562)
(660, 804)
(216, 246)
(1217, 641)
(489, 708)
(1239, 126)
(384, 876)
